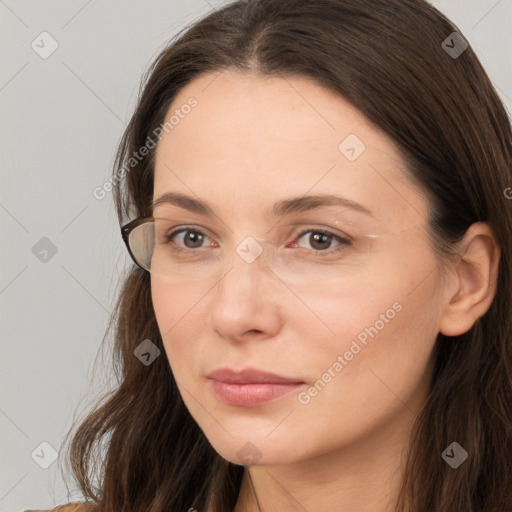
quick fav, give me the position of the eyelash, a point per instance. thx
(343, 242)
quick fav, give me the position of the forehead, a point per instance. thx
(250, 137)
(266, 112)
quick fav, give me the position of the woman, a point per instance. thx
(316, 197)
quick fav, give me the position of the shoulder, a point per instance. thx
(69, 507)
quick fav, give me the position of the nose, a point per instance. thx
(245, 302)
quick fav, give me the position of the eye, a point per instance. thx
(321, 240)
(193, 238)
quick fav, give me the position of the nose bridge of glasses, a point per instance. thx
(251, 249)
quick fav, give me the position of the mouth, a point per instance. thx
(250, 387)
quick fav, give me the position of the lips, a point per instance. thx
(250, 387)
(250, 376)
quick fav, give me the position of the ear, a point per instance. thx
(474, 281)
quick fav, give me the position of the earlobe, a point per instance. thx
(476, 276)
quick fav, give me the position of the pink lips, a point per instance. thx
(250, 387)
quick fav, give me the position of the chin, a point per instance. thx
(254, 450)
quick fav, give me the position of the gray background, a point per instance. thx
(60, 120)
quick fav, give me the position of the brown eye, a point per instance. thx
(320, 241)
(192, 239)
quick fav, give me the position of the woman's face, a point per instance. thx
(354, 324)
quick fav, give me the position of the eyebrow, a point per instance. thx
(280, 208)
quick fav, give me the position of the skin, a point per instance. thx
(254, 140)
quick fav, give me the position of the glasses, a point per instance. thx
(152, 245)
(139, 238)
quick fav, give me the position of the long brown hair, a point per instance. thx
(386, 57)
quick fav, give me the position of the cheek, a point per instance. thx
(381, 357)
(357, 387)
(176, 311)
(377, 351)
